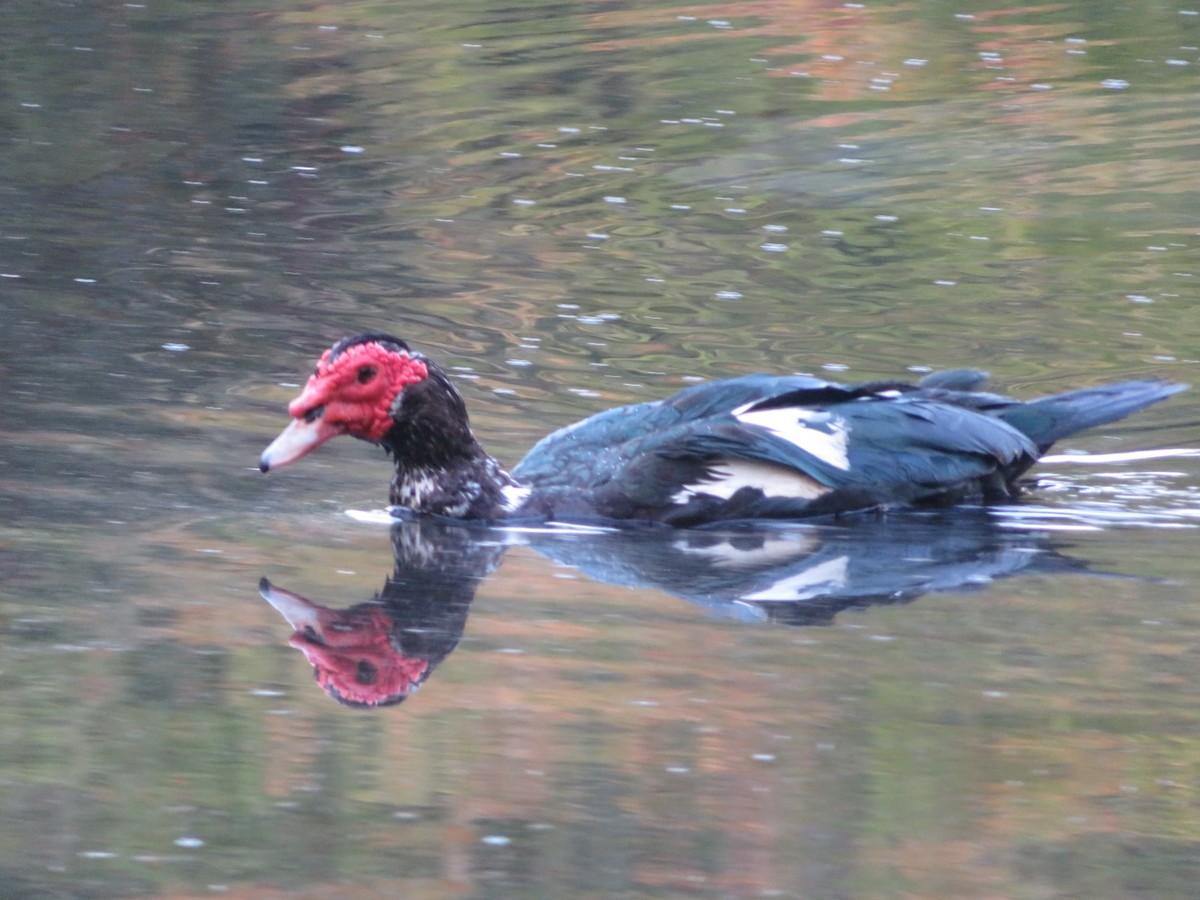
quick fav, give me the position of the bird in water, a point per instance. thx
(751, 447)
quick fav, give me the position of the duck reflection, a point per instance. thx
(807, 574)
(377, 652)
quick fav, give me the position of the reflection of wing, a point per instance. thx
(806, 574)
(818, 580)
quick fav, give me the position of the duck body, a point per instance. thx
(752, 447)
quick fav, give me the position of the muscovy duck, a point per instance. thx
(378, 652)
(753, 447)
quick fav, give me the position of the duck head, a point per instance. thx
(372, 387)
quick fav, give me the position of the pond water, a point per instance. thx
(573, 206)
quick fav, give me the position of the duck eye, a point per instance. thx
(366, 672)
(365, 374)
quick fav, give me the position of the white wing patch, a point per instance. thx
(828, 576)
(514, 495)
(727, 477)
(814, 431)
(774, 551)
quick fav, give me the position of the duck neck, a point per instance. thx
(474, 488)
(441, 469)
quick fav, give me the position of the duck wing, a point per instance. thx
(771, 447)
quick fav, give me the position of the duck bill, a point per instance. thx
(295, 441)
(299, 612)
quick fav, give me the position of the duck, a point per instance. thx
(751, 447)
(378, 652)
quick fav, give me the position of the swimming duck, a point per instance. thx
(750, 447)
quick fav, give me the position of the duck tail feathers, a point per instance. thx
(1050, 419)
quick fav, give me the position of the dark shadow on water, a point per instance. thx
(377, 652)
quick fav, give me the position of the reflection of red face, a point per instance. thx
(353, 656)
(351, 393)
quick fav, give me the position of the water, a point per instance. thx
(574, 207)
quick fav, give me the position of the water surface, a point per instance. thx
(573, 207)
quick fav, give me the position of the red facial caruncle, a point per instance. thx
(350, 649)
(350, 393)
